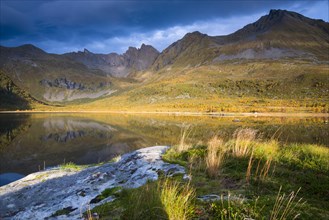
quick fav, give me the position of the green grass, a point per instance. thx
(292, 166)
(285, 86)
(165, 199)
(295, 185)
(63, 211)
(71, 166)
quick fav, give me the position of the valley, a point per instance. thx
(278, 64)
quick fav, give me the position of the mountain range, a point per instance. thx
(281, 47)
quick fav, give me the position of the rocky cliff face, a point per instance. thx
(118, 65)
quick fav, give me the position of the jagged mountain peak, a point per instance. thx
(119, 65)
(148, 47)
(86, 51)
(142, 47)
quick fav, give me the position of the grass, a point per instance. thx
(242, 142)
(261, 174)
(226, 87)
(71, 166)
(262, 170)
(177, 199)
(215, 156)
(285, 206)
(183, 145)
(271, 180)
(233, 207)
(165, 199)
(285, 86)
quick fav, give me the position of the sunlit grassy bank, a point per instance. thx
(262, 86)
(286, 86)
(253, 177)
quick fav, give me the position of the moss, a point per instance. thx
(64, 211)
(106, 193)
(71, 166)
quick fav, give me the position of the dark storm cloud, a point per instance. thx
(59, 26)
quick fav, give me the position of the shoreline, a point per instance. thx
(213, 114)
(75, 191)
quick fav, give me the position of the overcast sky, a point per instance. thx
(113, 26)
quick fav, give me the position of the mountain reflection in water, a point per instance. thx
(28, 142)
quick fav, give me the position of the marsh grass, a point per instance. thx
(183, 145)
(243, 140)
(215, 156)
(285, 206)
(164, 199)
(176, 199)
(262, 169)
(249, 171)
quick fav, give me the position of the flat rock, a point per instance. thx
(40, 195)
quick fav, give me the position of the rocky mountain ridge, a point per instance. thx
(280, 35)
(117, 65)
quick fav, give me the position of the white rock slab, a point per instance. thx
(40, 195)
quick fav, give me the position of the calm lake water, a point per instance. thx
(32, 142)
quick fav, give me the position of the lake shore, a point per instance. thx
(70, 191)
(212, 114)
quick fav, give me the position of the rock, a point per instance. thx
(209, 198)
(214, 198)
(118, 65)
(58, 188)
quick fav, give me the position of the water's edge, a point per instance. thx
(39, 195)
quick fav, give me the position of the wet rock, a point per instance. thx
(214, 198)
(209, 198)
(57, 188)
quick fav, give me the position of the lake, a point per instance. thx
(33, 142)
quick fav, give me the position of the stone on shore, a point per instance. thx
(65, 194)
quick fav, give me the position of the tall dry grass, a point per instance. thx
(243, 137)
(215, 156)
(262, 170)
(183, 145)
(285, 206)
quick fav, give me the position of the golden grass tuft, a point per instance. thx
(215, 156)
(243, 137)
(261, 172)
(183, 145)
(285, 206)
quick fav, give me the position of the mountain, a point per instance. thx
(280, 34)
(51, 77)
(118, 65)
(12, 97)
(279, 63)
(280, 60)
(194, 48)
